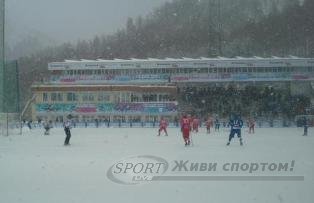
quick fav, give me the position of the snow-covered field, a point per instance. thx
(38, 169)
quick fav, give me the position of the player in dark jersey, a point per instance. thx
(236, 124)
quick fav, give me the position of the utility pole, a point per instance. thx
(215, 28)
(3, 116)
(219, 29)
(2, 54)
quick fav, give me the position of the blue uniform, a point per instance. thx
(305, 125)
(236, 125)
(217, 124)
(67, 127)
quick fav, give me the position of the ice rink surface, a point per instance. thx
(37, 169)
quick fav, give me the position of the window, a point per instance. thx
(45, 97)
(103, 97)
(53, 96)
(204, 70)
(85, 96)
(116, 98)
(260, 70)
(88, 96)
(60, 97)
(135, 97)
(91, 96)
(124, 97)
(163, 98)
(71, 96)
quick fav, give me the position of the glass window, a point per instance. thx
(71, 96)
(85, 96)
(60, 97)
(45, 97)
(53, 96)
(91, 96)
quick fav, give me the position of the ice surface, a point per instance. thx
(37, 168)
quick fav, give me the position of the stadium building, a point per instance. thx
(146, 89)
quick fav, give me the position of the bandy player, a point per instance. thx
(251, 125)
(163, 124)
(209, 123)
(185, 129)
(195, 124)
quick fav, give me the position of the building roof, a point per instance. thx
(238, 61)
(183, 59)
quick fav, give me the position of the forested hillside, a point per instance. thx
(193, 28)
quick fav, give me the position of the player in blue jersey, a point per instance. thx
(236, 124)
(67, 130)
(305, 126)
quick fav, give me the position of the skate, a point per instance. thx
(228, 143)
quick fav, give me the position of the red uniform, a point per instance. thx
(251, 125)
(209, 123)
(195, 124)
(185, 129)
(163, 124)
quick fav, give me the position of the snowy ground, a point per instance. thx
(36, 168)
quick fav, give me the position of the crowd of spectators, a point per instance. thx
(249, 101)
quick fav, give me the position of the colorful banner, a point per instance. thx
(93, 79)
(150, 108)
(163, 78)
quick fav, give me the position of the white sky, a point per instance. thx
(65, 20)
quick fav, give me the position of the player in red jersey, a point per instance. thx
(195, 124)
(209, 123)
(185, 129)
(163, 124)
(251, 125)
